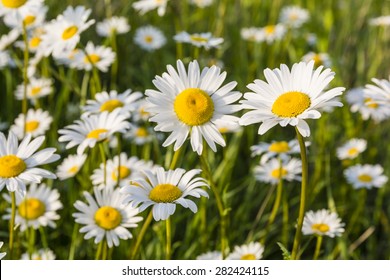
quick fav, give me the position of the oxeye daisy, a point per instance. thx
(294, 16)
(202, 3)
(251, 251)
(205, 40)
(365, 176)
(94, 56)
(36, 122)
(252, 34)
(271, 33)
(19, 163)
(274, 170)
(2, 254)
(319, 59)
(275, 149)
(34, 42)
(70, 166)
(141, 113)
(228, 128)
(351, 149)
(105, 217)
(36, 88)
(8, 39)
(92, 129)
(214, 255)
(140, 134)
(192, 104)
(37, 208)
(41, 254)
(6, 60)
(163, 190)
(104, 101)
(149, 38)
(380, 21)
(322, 222)
(30, 15)
(379, 91)
(113, 25)
(13, 7)
(289, 97)
(144, 6)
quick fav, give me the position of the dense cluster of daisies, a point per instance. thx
(188, 103)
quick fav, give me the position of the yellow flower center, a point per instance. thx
(194, 106)
(279, 147)
(248, 257)
(269, 29)
(317, 60)
(198, 39)
(11, 166)
(108, 217)
(111, 105)
(69, 32)
(31, 208)
(96, 133)
(35, 90)
(143, 113)
(223, 129)
(13, 4)
(148, 39)
(370, 103)
(353, 152)
(29, 20)
(291, 104)
(73, 169)
(94, 58)
(165, 193)
(34, 42)
(279, 173)
(31, 126)
(141, 132)
(123, 173)
(365, 178)
(320, 227)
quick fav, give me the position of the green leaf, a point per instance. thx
(286, 253)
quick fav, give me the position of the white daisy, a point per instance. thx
(92, 129)
(94, 56)
(41, 254)
(63, 33)
(36, 88)
(2, 254)
(271, 171)
(38, 207)
(18, 163)
(126, 101)
(36, 122)
(127, 169)
(380, 21)
(141, 113)
(140, 134)
(322, 222)
(365, 176)
(193, 104)
(34, 42)
(380, 91)
(271, 33)
(8, 39)
(276, 148)
(289, 97)
(68, 59)
(252, 34)
(251, 251)
(13, 7)
(202, 3)
(228, 128)
(30, 15)
(351, 149)
(199, 40)
(214, 255)
(70, 166)
(113, 25)
(294, 16)
(149, 38)
(106, 217)
(144, 6)
(164, 189)
(6, 60)
(319, 59)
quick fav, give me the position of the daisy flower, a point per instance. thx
(228, 128)
(351, 149)
(214, 255)
(380, 21)
(13, 7)
(365, 176)
(141, 113)
(140, 134)
(322, 222)
(70, 166)
(202, 3)
(192, 104)
(30, 15)
(93, 129)
(319, 59)
(19, 163)
(34, 41)
(6, 60)
(149, 38)
(37, 123)
(119, 168)
(2, 254)
(289, 97)
(251, 251)
(41, 254)
(144, 6)
(8, 39)
(271, 171)
(275, 149)
(94, 56)
(252, 34)
(379, 91)
(37, 209)
(271, 33)
(63, 33)
(106, 217)
(163, 190)
(113, 25)
(105, 101)
(68, 59)
(199, 40)
(294, 16)
(36, 88)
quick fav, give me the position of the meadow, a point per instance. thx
(119, 118)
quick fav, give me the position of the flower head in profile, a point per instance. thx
(280, 149)
(105, 217)
(213, 255)
(2, 255)
(149, 38)
(70, 166)
(30, 16)
(205, 40)
(202, 3)
(252, 34)
(144, 6)
(366, 176)
(19, 163)
(379, 91)
(140, 135)
(380, 21)
(36, 122)
(289, 97)
(294, 16)
(251, 251)
(351, 149)
(192, 104)
(319, 59)
(114, 25)
(94, 56)
(163, 190)
(41, 254)
(322, 222)
(37, 209)
(274, 170)
(15, 7)
(36, 88)
(271, 33)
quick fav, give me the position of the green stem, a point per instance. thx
(318, 247)
(142, 234)
(168, 248)
(114, 67)
(298, 233)
(103, 157)
(105, 249)
(25, 77)
(12, 226)
(99, 250)
(73, 244)
(84, 88)
(31, 242)
(175, 158)
(43, 237)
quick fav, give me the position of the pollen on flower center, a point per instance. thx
(365, 178)
(35, 90)
(29, 20)
(198, 39)
(96, 133)
(148, 39)
(11, 166)
(13, 4)
(31, 126)
(141, 132)
(34, 42)
(370, 103)
(279, 173)
(269, 29)
(69, 32)
(73, 169)
(194, 106)
(291, 104)
(320, 227)
(111, 105)
(165, 193)
(317, 60)
(279, 147)
(353, 151)
(108, 217)
(94, 58)
(248, 257)
(123, 173)
(31, 208)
